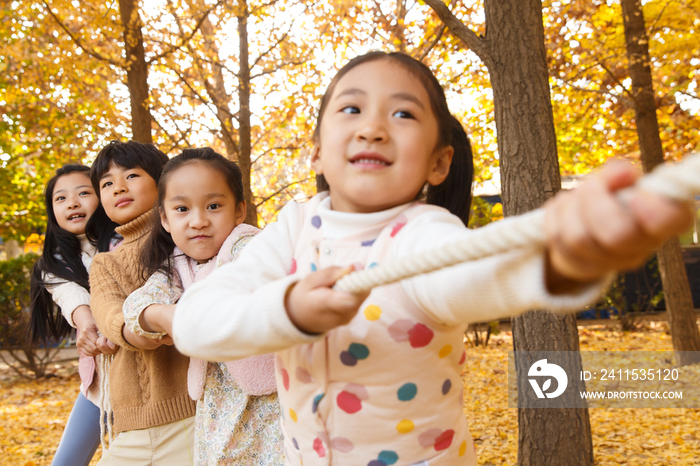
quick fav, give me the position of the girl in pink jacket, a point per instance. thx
(200, 227)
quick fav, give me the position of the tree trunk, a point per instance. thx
(529, 176)
(515, 54)
(136, 71)
(217, 92)
(244, 144)
(679, 302)
(527, 145)
(399, 31)
(12, 249)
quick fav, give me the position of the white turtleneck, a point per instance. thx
(238, 311)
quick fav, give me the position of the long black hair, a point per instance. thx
(156, 253)
(130, 154)
(61, 257)
(455, 192)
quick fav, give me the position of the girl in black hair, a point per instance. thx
(199, 228)
(374, 378)
(60, 279)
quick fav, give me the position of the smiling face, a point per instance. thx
(200, 210)
(74, 201)
(127, 193)
(377, 143)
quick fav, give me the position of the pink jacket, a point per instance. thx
(254, 375)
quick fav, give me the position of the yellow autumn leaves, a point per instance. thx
(646, 436)
(33, 413)
(32, 417)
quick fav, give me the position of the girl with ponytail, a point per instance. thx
(375, 378)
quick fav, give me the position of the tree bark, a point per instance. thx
(679, 302)
(515, 55)
(529, 176)
(217, 92)
(244, 141)
(527, 145)
(136, 71)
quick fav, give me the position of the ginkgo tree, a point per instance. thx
(244, 79)
(56, 108)
(592, 90)
(513, 49)
(679, 301)
(600, 53)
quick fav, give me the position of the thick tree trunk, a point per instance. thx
(679, 301)
(529, 176)
(550, 436)
(514, 52)
(527, 144)
(244, 143)
(136, 71)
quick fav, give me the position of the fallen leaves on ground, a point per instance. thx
(33, 413)
(644, 436)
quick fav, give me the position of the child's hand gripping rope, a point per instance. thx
(603, 225)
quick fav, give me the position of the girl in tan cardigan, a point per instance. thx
(152, 412)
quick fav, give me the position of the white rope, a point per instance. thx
(677, 181)
(105, 402)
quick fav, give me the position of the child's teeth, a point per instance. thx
(378, 162)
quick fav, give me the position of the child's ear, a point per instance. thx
(441, 165)
(316, 163)
(241, 213)
(164, 221)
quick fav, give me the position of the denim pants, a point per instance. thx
(81, 437)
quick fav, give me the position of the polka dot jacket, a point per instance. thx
(384, 389)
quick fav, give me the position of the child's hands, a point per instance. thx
(315, 307)
(105, 346)
(144, 343)
(89, 340)
(591, 233)
(158, 318)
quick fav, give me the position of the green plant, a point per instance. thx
(631, 314)
(17, 352)
(483, 212)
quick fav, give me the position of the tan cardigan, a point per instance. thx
(147, 388)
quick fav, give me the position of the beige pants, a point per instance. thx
(169, 444)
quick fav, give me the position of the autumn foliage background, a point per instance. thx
(66, 89)
(63, 93)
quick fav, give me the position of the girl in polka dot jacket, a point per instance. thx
(374, 379)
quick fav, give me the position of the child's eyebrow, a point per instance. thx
(409, 97)
(397, 96)
(351, 91)
(82, 186)
(185, 198)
